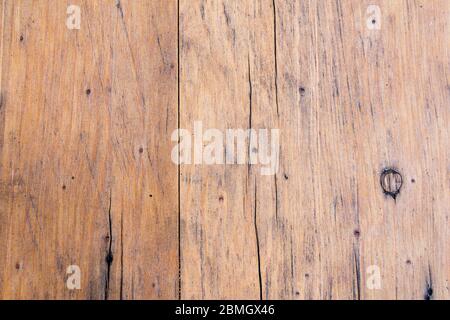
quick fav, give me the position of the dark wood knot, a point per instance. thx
(391, 181)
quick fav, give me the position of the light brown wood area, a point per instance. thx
(358, 208)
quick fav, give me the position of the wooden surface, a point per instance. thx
(87, 179)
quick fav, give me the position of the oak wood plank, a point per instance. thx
(350, 102)
(86, 143)
(218, 242)
(144, 113)
(54, 156)
(354, 101)
(86, 176)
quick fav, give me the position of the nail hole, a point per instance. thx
(302, 91)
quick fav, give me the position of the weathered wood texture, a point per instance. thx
(86, 116)
(87, 179)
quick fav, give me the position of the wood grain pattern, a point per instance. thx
(86, 117)
(87, 179)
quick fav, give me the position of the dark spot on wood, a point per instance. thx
(286, 176)
(307, 275)
(356, 233)
(413, 180)
(408, 261)
(73, 178)
(374, 21)
(150, 196)
(302, 91)
(153, 285)
(429, 286)
(297, 293)
(429, 293)
(64, 187)
(141, 150)
(109, 258)
(21, 38)
(18, 266)
(221, 198)
(88, 92)
(391, 181)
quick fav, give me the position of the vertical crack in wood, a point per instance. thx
(429, 286)
(179, 154)
(357, 271)
(276, 198)
(119, 7)
(250, 125)
(2, 113)
(109, 256)
(121, 255)
(255, 217)
(357, 246)
(275, 54)
(2, 99)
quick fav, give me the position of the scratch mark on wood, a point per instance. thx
(357, 273)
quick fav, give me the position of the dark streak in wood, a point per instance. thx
(257, 244)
